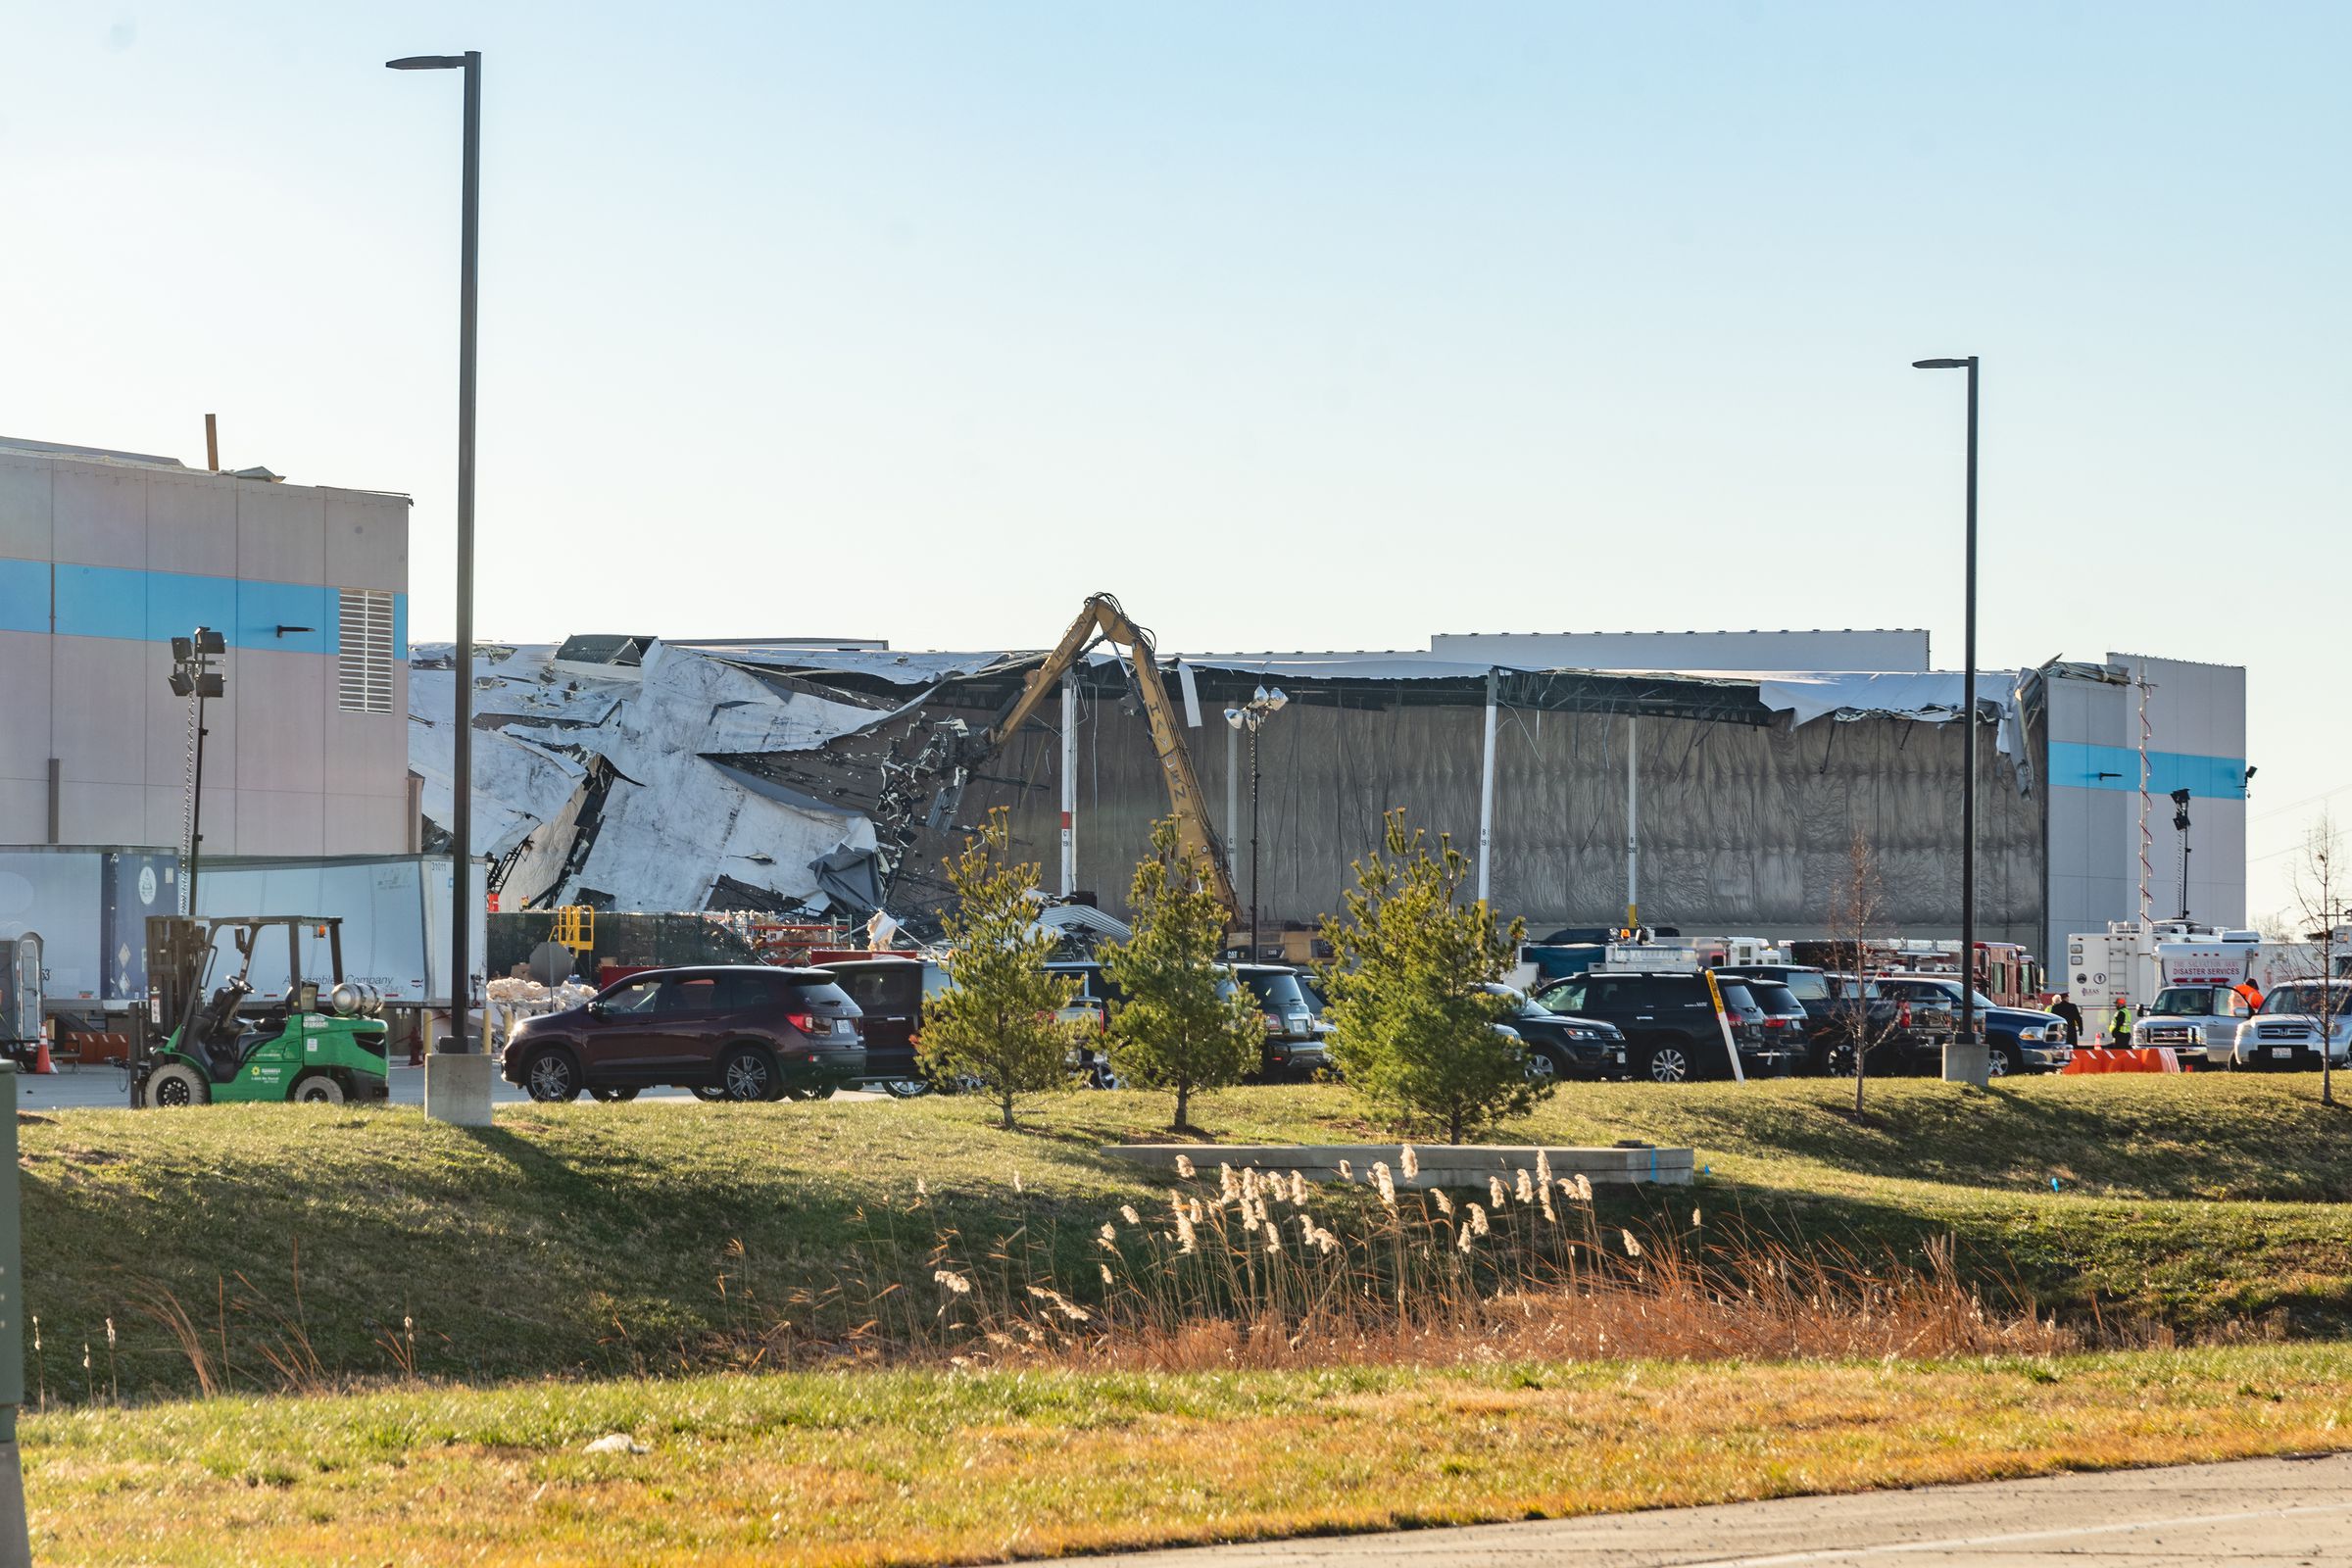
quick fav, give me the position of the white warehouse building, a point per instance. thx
(107, 556)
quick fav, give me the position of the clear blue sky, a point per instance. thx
(1298, 326)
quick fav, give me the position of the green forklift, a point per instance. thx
(306, 1045)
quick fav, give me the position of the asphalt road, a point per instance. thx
(104, 1087)
(2259, 1513)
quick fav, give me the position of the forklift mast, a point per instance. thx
(176, 945)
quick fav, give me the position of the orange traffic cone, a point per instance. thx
(40, 1056)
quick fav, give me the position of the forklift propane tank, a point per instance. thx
(349, 999)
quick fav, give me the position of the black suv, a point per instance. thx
(1563, 1047)
(1830, 1021)
(1668, 1019)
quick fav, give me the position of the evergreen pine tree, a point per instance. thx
(1413, 1030)
(997, 1021)
(1180, 1026)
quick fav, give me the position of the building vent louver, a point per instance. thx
(363, 677)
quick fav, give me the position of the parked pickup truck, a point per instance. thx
(2201, 1021)
(2022, 1040)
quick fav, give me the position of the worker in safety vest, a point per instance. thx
(2118, 1027)
(2250, 993)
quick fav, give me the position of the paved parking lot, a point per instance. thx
(89, 1088)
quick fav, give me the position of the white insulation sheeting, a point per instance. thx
(671, 820)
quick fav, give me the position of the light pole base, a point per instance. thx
(1968, 1061)
(457, 1088)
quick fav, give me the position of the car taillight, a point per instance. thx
(805, 1022)
(1274, 1024)
(1903, 1016)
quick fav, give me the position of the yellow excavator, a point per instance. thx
(1104, 620)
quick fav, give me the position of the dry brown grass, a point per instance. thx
(1239, 1269)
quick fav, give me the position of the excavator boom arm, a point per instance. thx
(1104, 617)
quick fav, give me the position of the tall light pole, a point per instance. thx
(1967, 729)
(194, 677)
(460, 826)
(1249, 716)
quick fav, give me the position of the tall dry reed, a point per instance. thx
(1261, 1268)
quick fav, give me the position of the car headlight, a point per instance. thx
(1583, 1034)
(2028, 1034)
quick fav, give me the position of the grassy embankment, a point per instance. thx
(925, 1466)
(593, 1240)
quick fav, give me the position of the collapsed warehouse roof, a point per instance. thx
(830, 777)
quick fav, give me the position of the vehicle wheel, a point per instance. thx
(2001, 1061)
(551, 1077)
(318, 1090)
(176, 1083)
(905, 1087)
(1840, 1061)
(745, 1074)
(809, 1092)
(707, 1091)
(1668, 1062)
(611, 1096)
(1542, 1066)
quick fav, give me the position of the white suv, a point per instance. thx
(2286, 1034)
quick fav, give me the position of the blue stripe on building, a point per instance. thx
(2077, 764)
(23, 596)
(152, 606)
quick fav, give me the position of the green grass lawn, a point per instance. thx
(589, 1239)
(938, 1468)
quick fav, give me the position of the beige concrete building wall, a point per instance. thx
(102, 559)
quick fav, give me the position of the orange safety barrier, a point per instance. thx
(2093, 1058)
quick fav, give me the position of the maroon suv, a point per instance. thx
(726, 1032)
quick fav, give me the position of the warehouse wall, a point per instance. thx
(1744, 829)
(101, 563)
(2196, 741)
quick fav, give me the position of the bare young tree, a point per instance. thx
(2320, 882)
(1857, 919)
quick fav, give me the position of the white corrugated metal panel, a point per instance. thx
(1877, 650)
